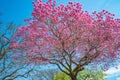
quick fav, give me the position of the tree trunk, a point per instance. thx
(73, 77)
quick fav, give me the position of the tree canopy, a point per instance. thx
(68, 37)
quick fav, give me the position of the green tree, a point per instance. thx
(61, 76)
(86, 74)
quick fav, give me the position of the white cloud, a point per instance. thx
(113, 70)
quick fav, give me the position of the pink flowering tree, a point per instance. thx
(69, 37)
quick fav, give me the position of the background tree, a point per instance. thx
(69, 37)
(86, 74)
(43, 74)
(11, 69)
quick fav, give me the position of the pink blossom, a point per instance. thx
(14, 45)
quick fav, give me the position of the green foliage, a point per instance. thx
(61, 76)
(91, 75)
(82, 75)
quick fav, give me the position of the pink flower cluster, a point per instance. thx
(14, 45)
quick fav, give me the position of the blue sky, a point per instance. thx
(15, 10)
(18, 10)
